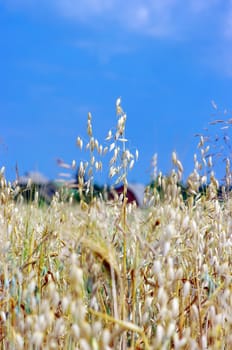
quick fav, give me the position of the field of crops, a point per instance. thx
(105, 274)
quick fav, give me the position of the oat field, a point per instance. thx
(107, 275)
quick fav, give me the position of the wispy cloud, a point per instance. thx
(85, 9)
(104, 49)
(208, 20)
(227, 21)
(163, 18)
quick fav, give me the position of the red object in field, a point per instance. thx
(131, 197)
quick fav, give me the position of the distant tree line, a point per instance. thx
(45, 192)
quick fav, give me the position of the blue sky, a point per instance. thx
(61, 59)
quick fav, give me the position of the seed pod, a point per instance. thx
(79, 142)
(174, 158)
(136, 155)
(109, 136)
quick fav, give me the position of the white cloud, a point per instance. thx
(160, 18)
(199, 6)
(227, 22)
(104, 50)
(83, 10)
(209, 21)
